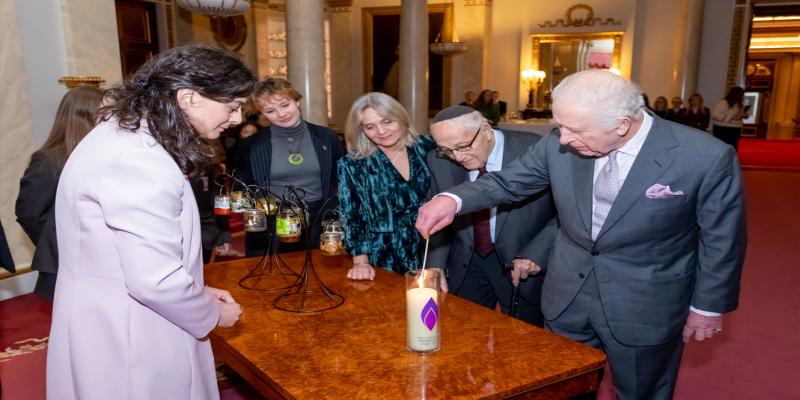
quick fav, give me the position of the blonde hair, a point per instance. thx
(358, 144)
(274, 87)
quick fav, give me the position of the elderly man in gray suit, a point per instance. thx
(477, 247)
(652, 228)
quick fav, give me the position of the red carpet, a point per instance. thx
(754, 358)
(773, 154)
(756, 355)
(24, 324)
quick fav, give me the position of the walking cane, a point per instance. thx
(512, 309)
(509, 267)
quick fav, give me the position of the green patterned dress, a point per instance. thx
(379, 207)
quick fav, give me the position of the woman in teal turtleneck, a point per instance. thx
(383, 180)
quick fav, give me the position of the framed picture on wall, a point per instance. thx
(753, 101)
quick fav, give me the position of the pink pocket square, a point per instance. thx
(659, 191)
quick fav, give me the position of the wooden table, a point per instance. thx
(358, 350)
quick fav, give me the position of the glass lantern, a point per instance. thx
(287, 226)
(222, 205)
(331, 242)
(254, 220)
(240, 201)
(268, 204)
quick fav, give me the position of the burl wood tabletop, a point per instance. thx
(358, 350)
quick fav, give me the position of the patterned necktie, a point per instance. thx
(605, 191)
(482, 229)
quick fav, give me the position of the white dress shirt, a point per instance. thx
(626, 155)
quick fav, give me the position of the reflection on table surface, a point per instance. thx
(358, 350)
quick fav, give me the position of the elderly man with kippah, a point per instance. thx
(651, 239)
(477, 247)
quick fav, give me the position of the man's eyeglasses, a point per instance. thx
(447, 152)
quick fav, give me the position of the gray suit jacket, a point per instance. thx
(653, 258)
(524, 229)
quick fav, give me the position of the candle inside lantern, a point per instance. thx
(423, 318)
(331, 243)
(254, 220)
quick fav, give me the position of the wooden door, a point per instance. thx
(138, 36)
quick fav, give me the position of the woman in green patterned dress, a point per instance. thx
(383, 180)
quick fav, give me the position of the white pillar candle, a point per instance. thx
(422, 315)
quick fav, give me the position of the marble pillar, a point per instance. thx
(414, 61)
(16, 129)
(305, 45)
(667, 47)
(470, 70)
(688, 54)
(341, 66)
(90, 39)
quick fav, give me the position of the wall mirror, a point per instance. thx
(559, 55)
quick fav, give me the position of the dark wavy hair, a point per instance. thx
(150, 93)
(735, 96)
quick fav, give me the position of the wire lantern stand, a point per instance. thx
(281, 217)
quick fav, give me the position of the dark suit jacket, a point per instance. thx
(213, 228)
(253, 165)
(503, 106)
(6, 262)
(36, 212)
(653, 257)
(524, 229)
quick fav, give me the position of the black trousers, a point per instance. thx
(486, 283)
(729, 135)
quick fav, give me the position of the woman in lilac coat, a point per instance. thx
(131, 313)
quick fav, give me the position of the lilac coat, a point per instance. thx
(131, 315)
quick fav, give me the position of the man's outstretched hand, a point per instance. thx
(436, 214)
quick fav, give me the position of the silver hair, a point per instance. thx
(604, 96)
(358, 144)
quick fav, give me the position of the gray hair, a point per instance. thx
(603, 95)
(358, 144)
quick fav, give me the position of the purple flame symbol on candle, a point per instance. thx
(430, 314)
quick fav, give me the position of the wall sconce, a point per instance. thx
(534, 79)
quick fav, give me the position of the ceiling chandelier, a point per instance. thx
(222, 8)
